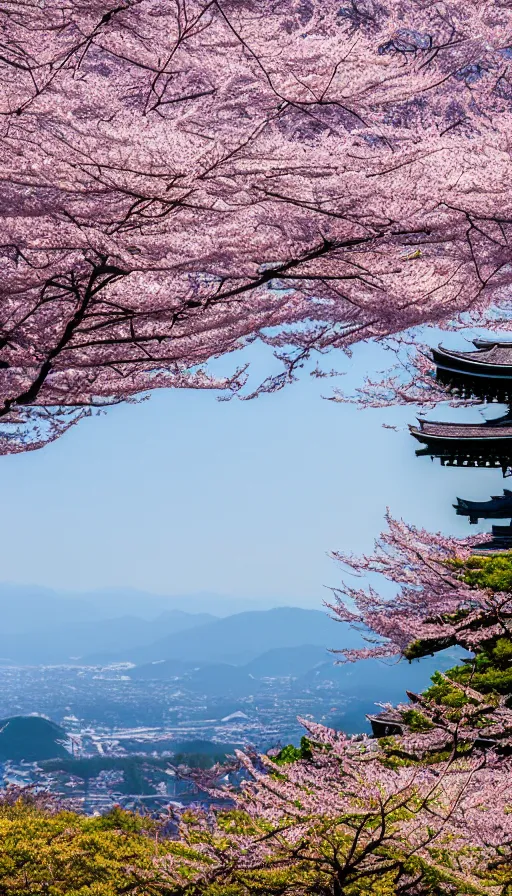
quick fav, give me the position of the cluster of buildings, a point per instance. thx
(117, 758)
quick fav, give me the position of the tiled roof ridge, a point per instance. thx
(466, 430)
(492, 354)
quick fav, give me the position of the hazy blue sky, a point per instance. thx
(182, 493)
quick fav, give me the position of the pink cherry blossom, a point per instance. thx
(434, 604)
(179, 179)
(345, 816)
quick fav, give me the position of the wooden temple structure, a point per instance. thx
(496, 508)
(486, 444)
(390, 722)
(486, 375)
(501, 541)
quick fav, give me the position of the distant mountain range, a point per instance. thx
(202, 653)
(29, 607)
(223, 658)
(40, 626)
(40, 629)
(293, 661)
(381, 681)
(241, 638)
(363, 684)
(280, 662)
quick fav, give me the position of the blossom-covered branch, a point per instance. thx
(178, 179)
(410, 380)
(345, 821)
(435, 606)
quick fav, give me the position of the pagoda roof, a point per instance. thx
(491, 548)
(469, 454)
(386, 723)
(489, 359)
(502, 531)
(497, 507)
(499, 429)
(505, 498)
(481, 342)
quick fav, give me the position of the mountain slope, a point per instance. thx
(380, 680)
(360, 685)
(288, 661)
(29, 607)
(241, 638)
(31, 738)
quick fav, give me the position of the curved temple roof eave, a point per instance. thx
(445, 357)
(431, 437)
(488, 343)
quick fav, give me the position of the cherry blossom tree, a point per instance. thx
(426, 809)
(449, 719)
(345, 822)
(445, 597)
(436, 607)
(178, 179)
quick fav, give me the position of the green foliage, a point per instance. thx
(65, 854)
(489, 673)
(416, 650)
(501, 654)
(330, 860)
(494, 572)
(293, 754)
(138, 771)
(60, 853)
(198, 760)
(442, 692)
(416, 721)
(132, 767)
(90, 767)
